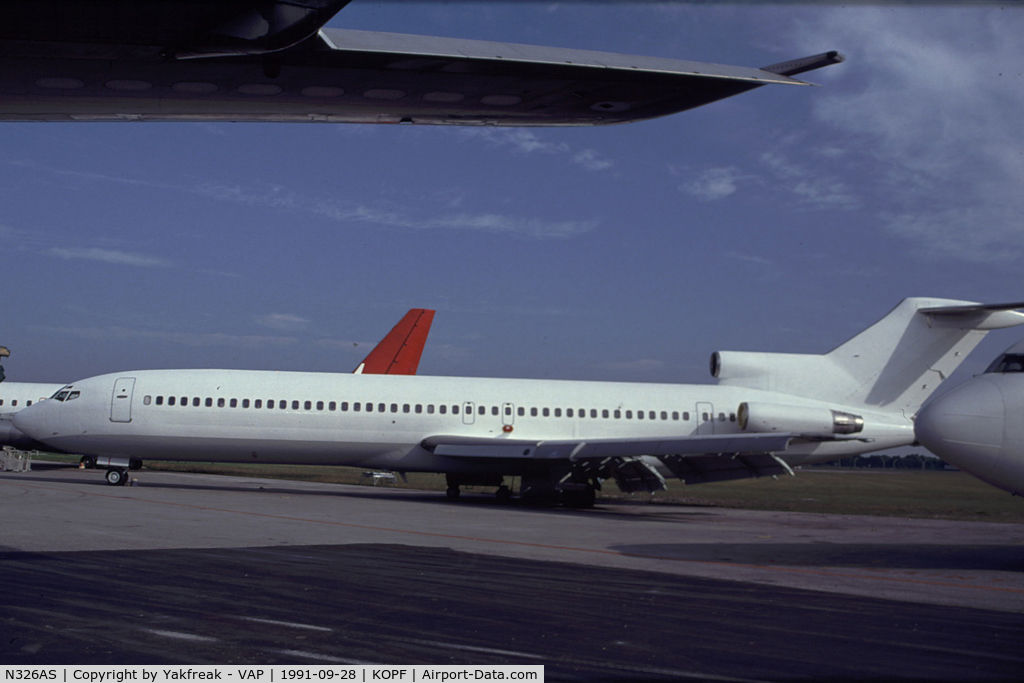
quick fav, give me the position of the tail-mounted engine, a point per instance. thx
(803, 420)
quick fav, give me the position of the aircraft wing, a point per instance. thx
(694, 459)
(399, 352)
(260, 60)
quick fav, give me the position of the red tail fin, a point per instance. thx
(399, 352)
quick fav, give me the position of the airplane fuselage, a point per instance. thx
(382, 421)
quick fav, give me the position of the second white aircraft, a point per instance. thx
(768, 413)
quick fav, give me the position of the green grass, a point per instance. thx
(923, 494)
(895, 493)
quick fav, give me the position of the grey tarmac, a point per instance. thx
(194, 569)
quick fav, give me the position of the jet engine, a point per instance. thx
(810, 420)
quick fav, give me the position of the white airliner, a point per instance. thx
(398, 353)
(768, 413)
(979, 426)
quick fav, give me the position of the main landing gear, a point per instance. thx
(117, 467)
(117, 476)
(541, 490)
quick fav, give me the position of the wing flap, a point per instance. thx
(704, 469)
(576, 450)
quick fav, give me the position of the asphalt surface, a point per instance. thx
(194, 569)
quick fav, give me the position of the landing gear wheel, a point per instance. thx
(453, 492)
(579, 499)
(117, 477)
(88, 462)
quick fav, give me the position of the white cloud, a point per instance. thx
(528, 142)
(933, 96)
(108, 256)
(713, 184)
(589, 160)
(189, 339)
(813, 187)
(282, 198)
(282, 321)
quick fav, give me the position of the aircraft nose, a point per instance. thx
(31, 421)
(965, 427)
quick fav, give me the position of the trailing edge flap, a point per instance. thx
(470, 447)
(399, 352)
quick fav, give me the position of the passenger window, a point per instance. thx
(604, 413)
(732, 417)
(170, 400)
(295, 405)
(629, 415)
(159, 400)
(394, 407)
(686, 416)
(568, 412)
(419, 408)
(443, 409)
(546, 412)
(533, 412)
(455, 409)
(245, 403)
(357, 406)
(147, 400)
(332, 406)
(522, 411)
(481, 410)
(406, 407)
(380, 407)
(617, 414)
(430, 409)
(209, 402)
(558, 412)
(721, 417)
(675, 414)
(494, 410)
(593, 412)
(344, 406)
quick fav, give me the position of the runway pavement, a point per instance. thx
(202, 569)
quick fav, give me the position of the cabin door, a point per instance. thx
(121, 399)
(705, 415)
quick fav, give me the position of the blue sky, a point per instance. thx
(786, 219)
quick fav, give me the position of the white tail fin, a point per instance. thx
(894, 364)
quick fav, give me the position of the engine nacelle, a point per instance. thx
(772, 417)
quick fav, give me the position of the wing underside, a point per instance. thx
(637, 464)
(257, 64)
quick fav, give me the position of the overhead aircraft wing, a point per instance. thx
(399, 352)
(260, 60)
(694, 459)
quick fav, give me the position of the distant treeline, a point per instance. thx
(914, 461)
